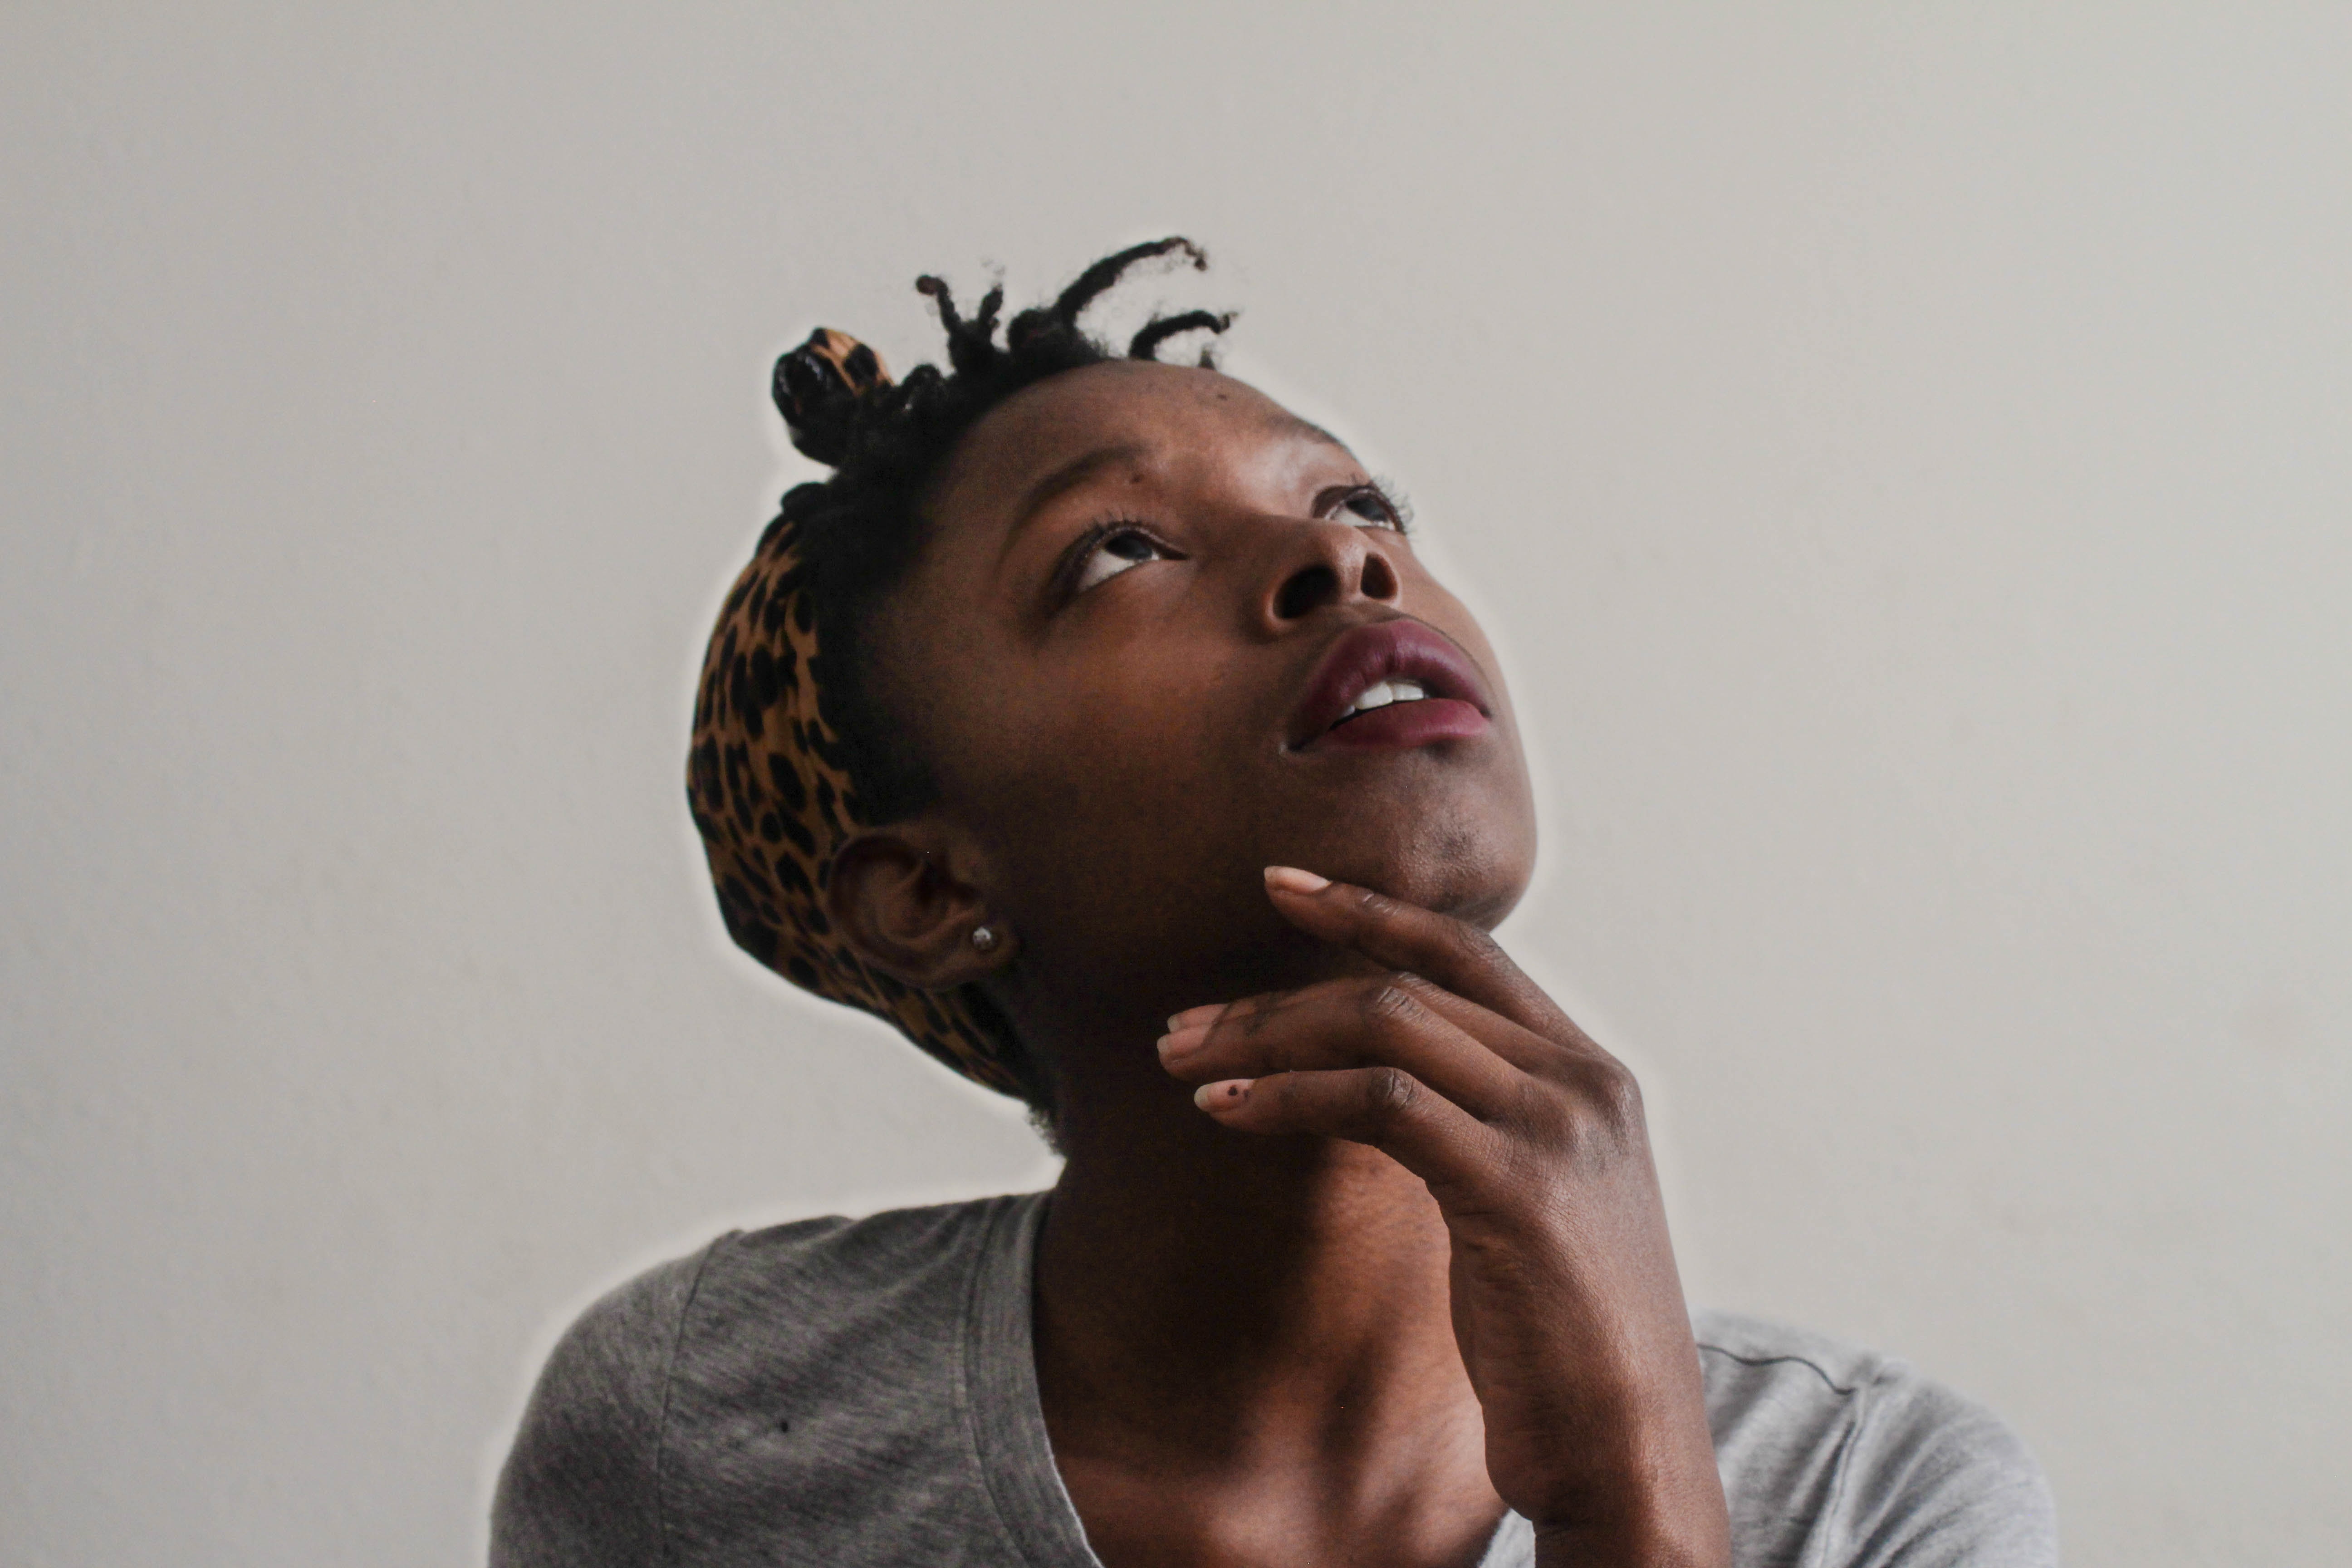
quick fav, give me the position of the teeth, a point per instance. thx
(1383, 693)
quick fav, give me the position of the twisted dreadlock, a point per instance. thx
(860, 529)
(792, 753)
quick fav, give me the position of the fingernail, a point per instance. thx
(1222, 1094)
(1191, 1017)
(1291, 879)
(1176, 1042)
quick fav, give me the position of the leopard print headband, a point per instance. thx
(768, 791)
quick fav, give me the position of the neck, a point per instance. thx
(1223, 1305)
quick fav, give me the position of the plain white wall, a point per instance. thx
(1902, 452)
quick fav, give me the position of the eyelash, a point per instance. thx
(1397, 510)
(1082, 550)
(1385, 491)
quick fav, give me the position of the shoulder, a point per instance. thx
(1830, 1448)
(618, 1417)
(579, 1484)
(785, 1306)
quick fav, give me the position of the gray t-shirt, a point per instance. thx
(861, 1392)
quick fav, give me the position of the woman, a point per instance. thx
(1097, 725)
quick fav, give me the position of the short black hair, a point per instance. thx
(860, 531)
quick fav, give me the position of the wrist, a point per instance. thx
(1660, 1525)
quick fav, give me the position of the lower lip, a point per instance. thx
(1404, 725)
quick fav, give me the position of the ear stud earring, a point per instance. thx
(983, 938)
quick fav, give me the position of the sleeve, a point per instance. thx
(581, 1484)
(1933, 1480)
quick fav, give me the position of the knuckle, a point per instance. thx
(1533, 1106)
(1418, 986)
(1615, 1087)
(1476, 943)
(1591, 1111)
(1608, 1100)
(1391, 1001)
(1388, 1093)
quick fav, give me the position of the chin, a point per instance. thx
(1453, 831)
(1457, 865)
(1481, 888)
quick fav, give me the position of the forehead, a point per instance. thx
(1155, 411)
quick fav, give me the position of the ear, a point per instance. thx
(904, 898)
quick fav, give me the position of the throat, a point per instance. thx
(1248, 1341)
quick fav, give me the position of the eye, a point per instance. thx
(1374, 504)
(1114, 552)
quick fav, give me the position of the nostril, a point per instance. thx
(1379, 577)
(1306, 591)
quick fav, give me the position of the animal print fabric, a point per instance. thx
(765, 778)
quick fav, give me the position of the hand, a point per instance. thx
(1566, 1301)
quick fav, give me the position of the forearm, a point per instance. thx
(1642, 1490)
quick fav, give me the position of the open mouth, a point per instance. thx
(1381, 694)
(1391, 683)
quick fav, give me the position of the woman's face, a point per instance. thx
(1147, 598)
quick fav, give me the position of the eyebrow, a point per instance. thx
(1293, 425)
(1061, 481)
(1068, 478)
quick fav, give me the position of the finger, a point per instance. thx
(1384, 1108)
(1262, 1002)
(1389, 1021)
(1459, 956)
(1516, 1045)
(1521, 1047)
(1254, 1012)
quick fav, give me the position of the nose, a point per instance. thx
(1328, 564)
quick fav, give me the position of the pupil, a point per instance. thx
(1130, 547)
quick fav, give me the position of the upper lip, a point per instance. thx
(1383, 650)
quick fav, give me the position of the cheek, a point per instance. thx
(1114, 784)
(1122, 742)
